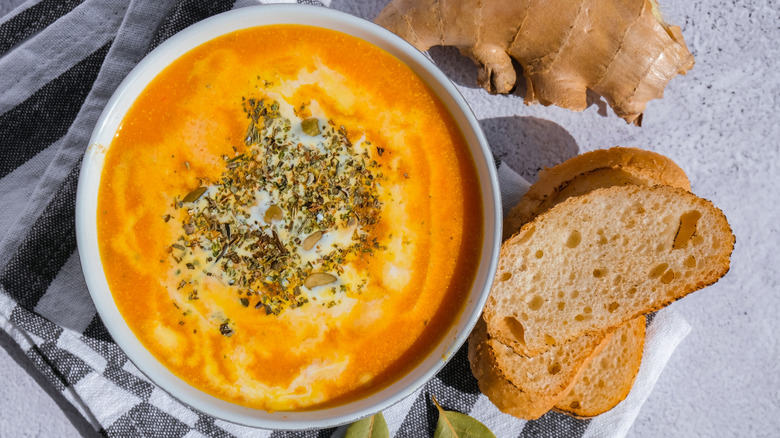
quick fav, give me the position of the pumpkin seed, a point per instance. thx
(311, 240)
(274, 213)
(318, 279)
(194, 195)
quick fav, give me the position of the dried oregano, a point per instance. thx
(313, 190)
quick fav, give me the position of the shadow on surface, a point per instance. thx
(528, 144)
(463, 71)
(458, 68)
(79, 422)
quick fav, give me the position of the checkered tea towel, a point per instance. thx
(60, 61)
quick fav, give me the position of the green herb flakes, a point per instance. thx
(225, 330)
(330, 187)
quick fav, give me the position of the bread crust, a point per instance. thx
(646, 168)
(618, 363)
(495, 367)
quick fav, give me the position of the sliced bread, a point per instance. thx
(527, 387)
(607, 379)
(595, 261)
(590, 171)
(577, 176)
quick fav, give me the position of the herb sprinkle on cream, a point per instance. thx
(285, 215)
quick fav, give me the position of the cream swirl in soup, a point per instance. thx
(289, 218)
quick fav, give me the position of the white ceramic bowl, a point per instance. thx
(89, 182)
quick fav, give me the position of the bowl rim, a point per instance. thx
(137, 80)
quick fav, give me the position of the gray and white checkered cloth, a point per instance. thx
(60, 61)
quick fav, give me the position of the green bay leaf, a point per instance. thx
(374, 426)
(456, 425)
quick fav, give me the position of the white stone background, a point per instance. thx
(720, 124)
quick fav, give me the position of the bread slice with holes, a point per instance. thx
(607, 379)
(597, 260)
(576, 176)
(528, 387)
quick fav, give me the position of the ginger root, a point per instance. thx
(619, 49)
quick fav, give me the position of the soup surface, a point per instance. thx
(289, 218)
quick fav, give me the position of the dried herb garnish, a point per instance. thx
(225, 329)
(311, 126)
(256, 247)
(194, 195)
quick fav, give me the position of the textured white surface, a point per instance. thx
(720, 124)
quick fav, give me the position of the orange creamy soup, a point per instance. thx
(289, 218)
